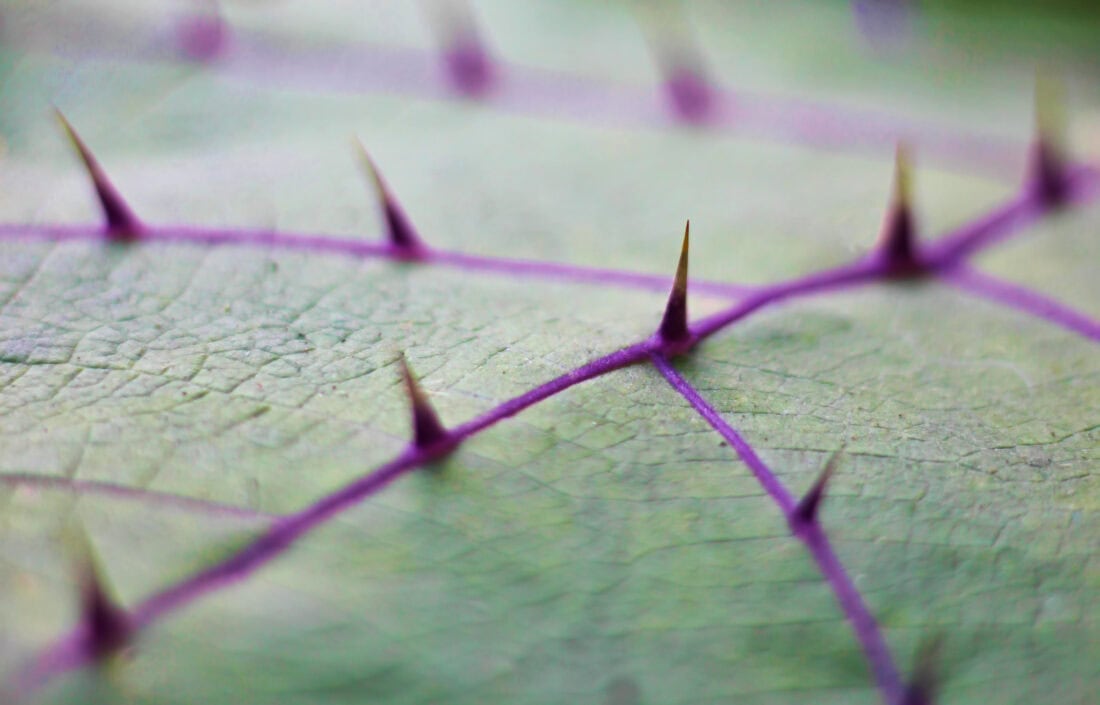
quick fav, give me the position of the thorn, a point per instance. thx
(805, 512)
(465, 56)
(204, 35)
(428, 430)
(886, 25)
(925, 681)
(468, 65)
(1047, 176)
(674, 324)
(687, 85)
(107, 626)
(122, 224)
(689, 89)
(897, 241)
(402, 234)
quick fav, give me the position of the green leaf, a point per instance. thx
(604, 545)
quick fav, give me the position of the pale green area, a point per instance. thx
(604, 546)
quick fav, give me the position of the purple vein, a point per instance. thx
(1023, 299)
(65, 653)
(1010, 218)
(281, 536)
(255, 57)
(866, 629)
(286, 531)
(328, 244)
(148, 497)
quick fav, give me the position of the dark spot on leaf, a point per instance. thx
(623, 690)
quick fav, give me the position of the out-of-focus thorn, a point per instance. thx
(1047, 174)
(428, 430)
(122, 224)
(466, 58)
(924, 682)
(674, 325)
(885, 25)
(204, 34)
(806, 511)
(106, 626)
(688, 87)
(400, 230)
(897, 240)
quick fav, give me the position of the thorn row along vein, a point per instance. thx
(105, 627)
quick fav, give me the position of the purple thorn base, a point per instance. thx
(469, 67)
(689, 95)
(202, 37)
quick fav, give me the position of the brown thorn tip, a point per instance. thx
(428, 430)
(122, 224)
(674, 325)
(1047, 174)
(399, 228)
(107, 626)
(897, 241)
(805, 512)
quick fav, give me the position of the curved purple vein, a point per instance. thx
(318, 243)
(1011, 217)
(866, 270)
(1023, 299)
(117, 491)
(62, 655)
(58, 657)
(763, 473)
(866, 630)
(281, 535)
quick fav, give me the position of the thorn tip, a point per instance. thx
(897, 240)
(1047, 175)
(674, 325)
(806, 511)
(428, 430)
(400, 230)
(122, 224)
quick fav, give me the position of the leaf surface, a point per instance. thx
(603, 546)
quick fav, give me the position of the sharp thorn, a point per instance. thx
(805, 512)
(122, 224)
(1047, 173)
(428, 430)
(107, 626)
(674, 324)
(400, 230)
(897, 240)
